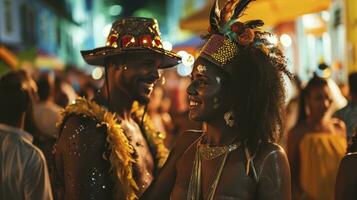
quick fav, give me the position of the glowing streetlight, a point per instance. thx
(285, 40)
(106, 30)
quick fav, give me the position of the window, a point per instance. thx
(8, 16)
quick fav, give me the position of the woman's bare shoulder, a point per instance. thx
(185, 140)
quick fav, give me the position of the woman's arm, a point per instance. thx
(274, 179)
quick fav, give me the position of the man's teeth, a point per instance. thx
(194, 103)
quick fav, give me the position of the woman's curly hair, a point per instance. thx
(256, 73)
(257, 85)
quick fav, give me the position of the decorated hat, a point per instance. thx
(128, 35)
(227, 36)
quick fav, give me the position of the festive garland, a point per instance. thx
(154, 137)
(121, 151)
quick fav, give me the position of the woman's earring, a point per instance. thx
(125, 67)
(229, 118)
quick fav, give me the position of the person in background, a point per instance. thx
(23, 169)
(316, 144)
(170, 126)
(64, 92)
(348, 114)
(292, 110)
(338, 100)
(161, 119)
(46, 111)
(237, 90)
(346, 183)
(46, 114)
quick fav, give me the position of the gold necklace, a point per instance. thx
(209, 153)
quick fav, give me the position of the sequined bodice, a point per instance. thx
(270, 164)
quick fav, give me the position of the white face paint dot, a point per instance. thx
(201, 68)
(218, 79)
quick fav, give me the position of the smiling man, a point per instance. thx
(105, 149)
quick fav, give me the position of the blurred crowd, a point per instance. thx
(319, 129)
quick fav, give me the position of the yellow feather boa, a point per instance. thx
(121, 151)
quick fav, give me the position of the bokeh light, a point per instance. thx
(106, 30)
(285, 40)
(115, 10)
(167, 45)
(184, 70)
(97, 73)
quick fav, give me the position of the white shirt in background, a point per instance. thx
(23, 169)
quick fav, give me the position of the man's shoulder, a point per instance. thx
(77, 119)
(25, 148)
(81, 125)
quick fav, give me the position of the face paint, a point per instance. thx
(206, 93)
(201, 68)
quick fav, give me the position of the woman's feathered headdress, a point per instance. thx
(226, 21)
(226, 34)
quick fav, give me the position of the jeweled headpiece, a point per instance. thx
(227, 35)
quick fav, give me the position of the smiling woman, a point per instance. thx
(207, 92)
(237, 91)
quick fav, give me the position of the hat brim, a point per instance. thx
(98, 56)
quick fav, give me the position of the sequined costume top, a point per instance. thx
(262, 174)
(98, 158)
